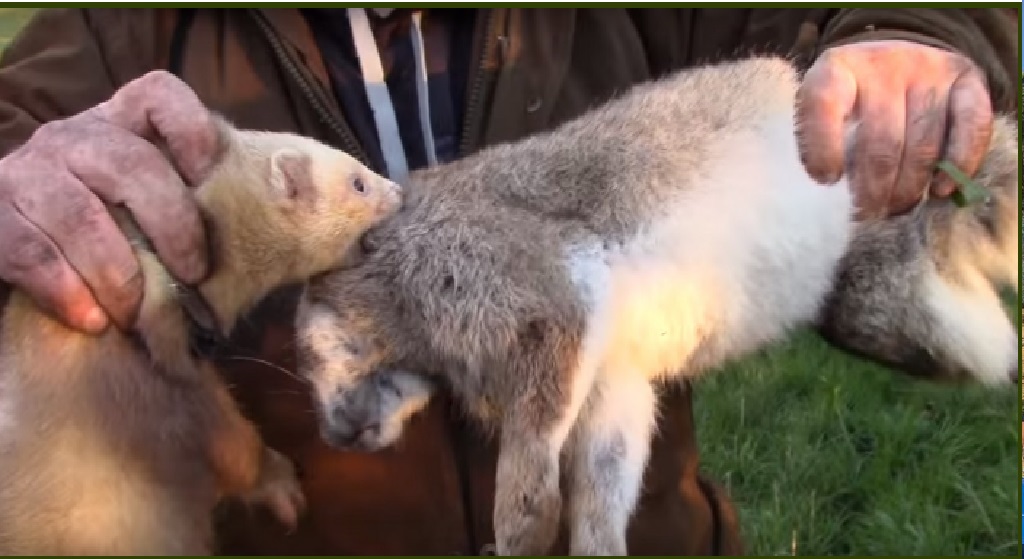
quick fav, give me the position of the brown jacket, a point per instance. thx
(534, 68)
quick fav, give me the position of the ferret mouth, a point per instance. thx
(358, 252)
(367, 243)
(348, 436)
(363, 439)
(353, 258)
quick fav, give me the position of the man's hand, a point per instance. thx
(914, 106)
(59, 243)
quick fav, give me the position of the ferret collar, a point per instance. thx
(205, 336)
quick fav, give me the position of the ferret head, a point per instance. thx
(921, 293)
(362, 402)
(326, 201)
(284, 208)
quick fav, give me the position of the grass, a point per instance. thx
(826, 455)
(11, 19)
(832, 456)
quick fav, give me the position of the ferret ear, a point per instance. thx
(291, 175)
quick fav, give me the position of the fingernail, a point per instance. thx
(942, 188)
(824, 176)
(95, 320)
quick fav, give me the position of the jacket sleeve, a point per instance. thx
(66, 60)
(989, 37)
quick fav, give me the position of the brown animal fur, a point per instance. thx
(122, 443)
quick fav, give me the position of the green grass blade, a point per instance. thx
(968, 191)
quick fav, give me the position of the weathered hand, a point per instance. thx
(915, 104)
(58, 242)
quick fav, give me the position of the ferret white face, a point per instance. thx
(359, 406)
(327, 201)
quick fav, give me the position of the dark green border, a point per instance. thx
(1020, 90)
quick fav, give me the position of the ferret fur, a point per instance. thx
(553, 283)
(123, 443)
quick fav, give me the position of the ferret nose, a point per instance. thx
(341, 424)
(346, 432)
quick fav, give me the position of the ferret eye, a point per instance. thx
(358, 185)
(353, 349)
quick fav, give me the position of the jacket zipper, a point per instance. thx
(474, 99)
(344, 135)
(348, 142)
(313, 93)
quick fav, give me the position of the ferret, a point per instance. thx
(555, 283)
(123, 443)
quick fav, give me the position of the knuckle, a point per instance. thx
(80, 210)
(59, 141)
(49, 132)
(959, 62)
(26, 253)
(159, 79)
(869, 198)
(922, 155)
(830, 57)
(883, 156)
(811, 96)
(89, 158)
(968, 147)
(977, 118)
(125, 276)
(970, 90)
(170, 94)
(210, 141)
(75, 213)
(120, 165)
(204, 121)
(906, 195)
(166, 208)
(12, 170)
(137, 160)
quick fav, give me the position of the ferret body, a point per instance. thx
(123, 443)
(553, 283)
